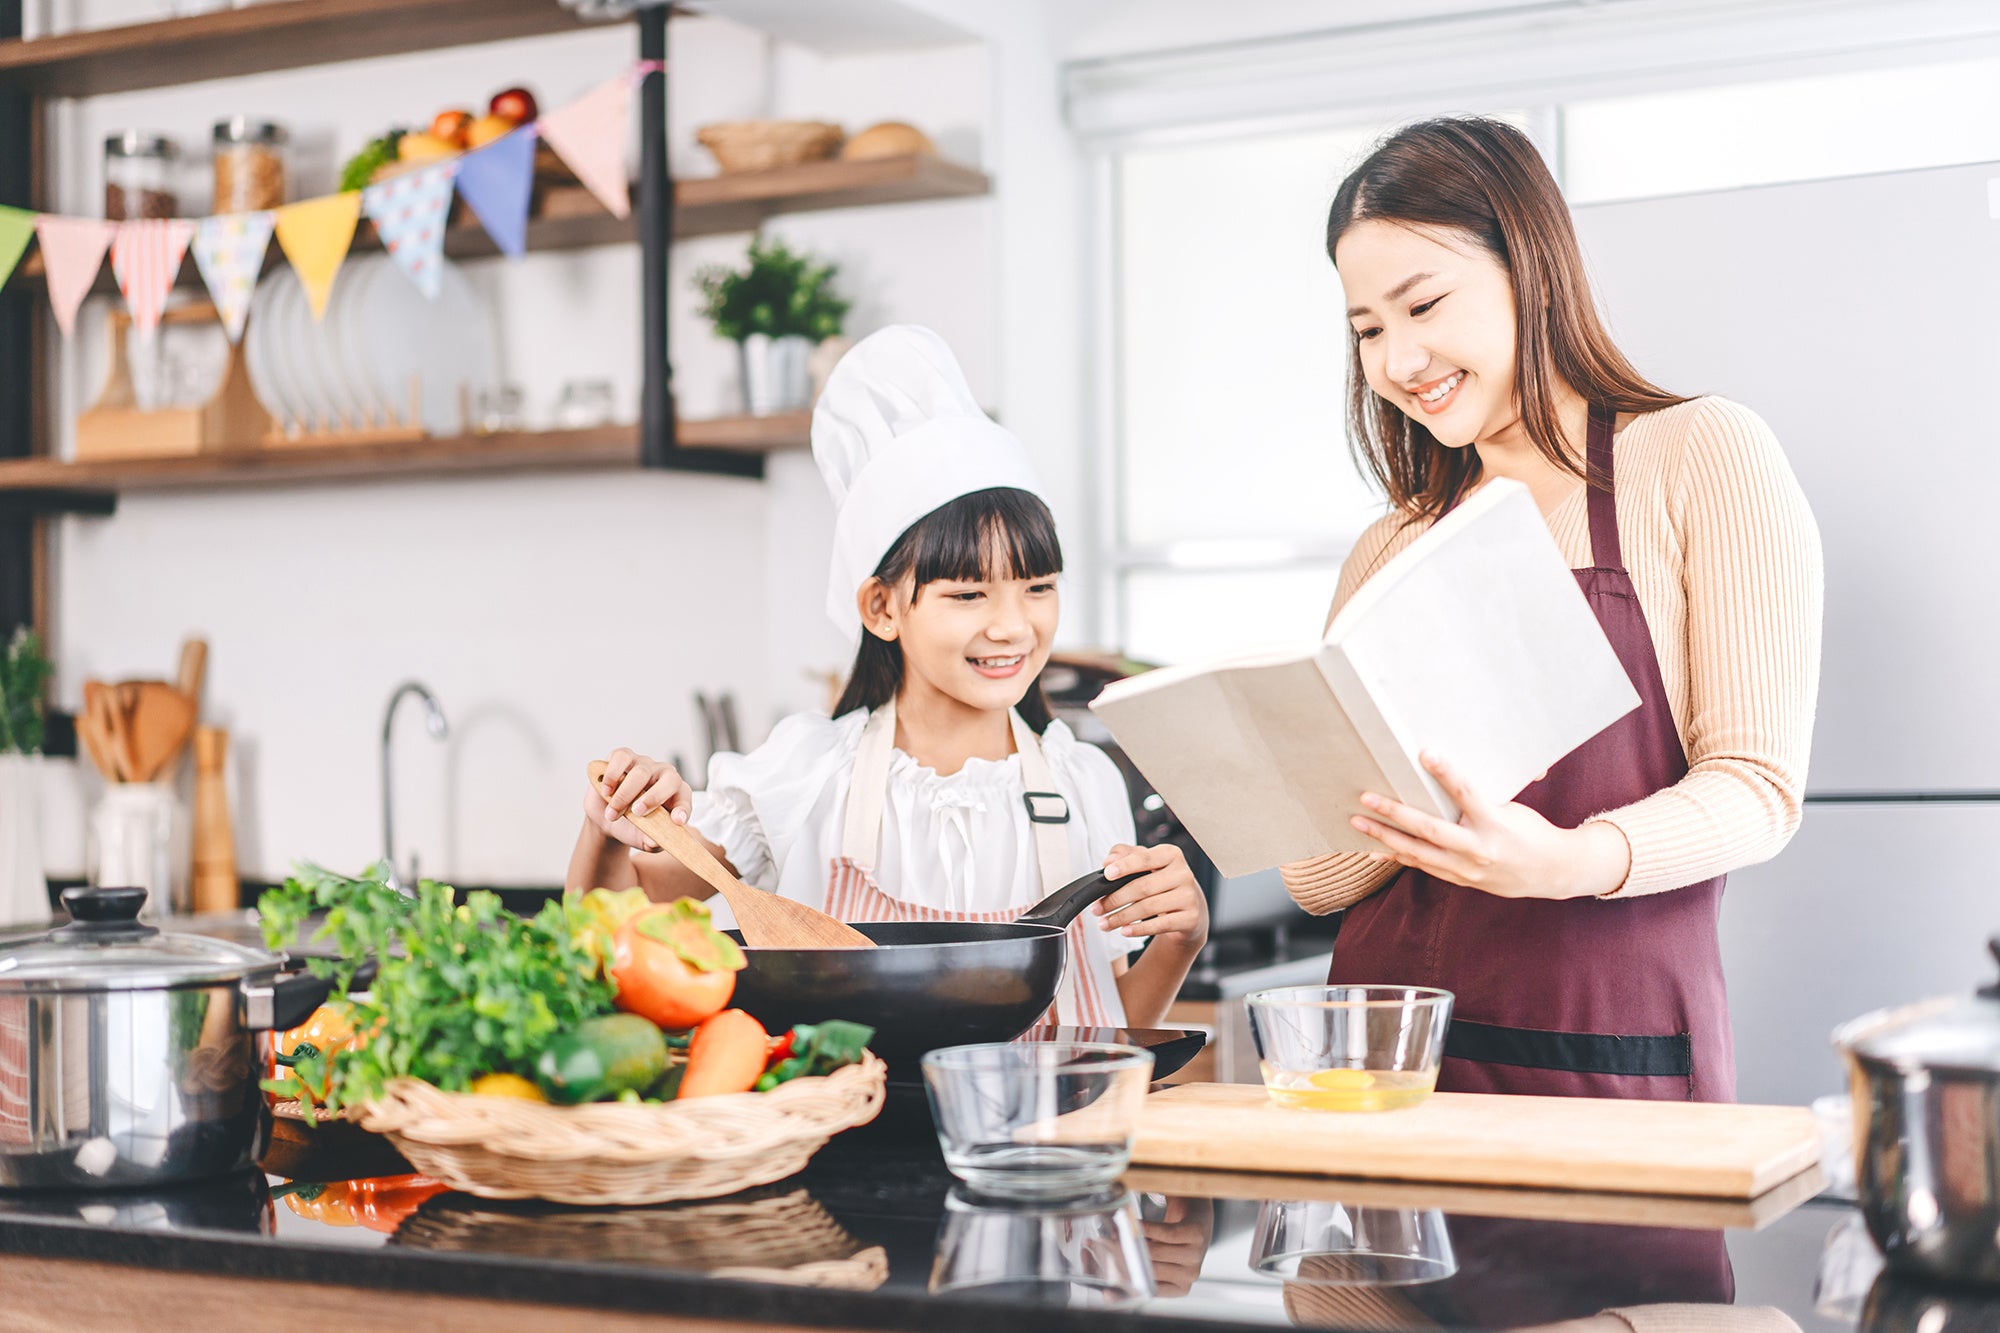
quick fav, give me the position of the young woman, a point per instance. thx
(1576, 922)
(941, 789)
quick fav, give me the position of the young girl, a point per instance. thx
(941, 789)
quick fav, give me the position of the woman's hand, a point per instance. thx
(636, 783)
(1159, 896)
(1506, 849)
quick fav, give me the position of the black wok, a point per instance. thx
(927, 983)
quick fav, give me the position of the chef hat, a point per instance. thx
(896, 435)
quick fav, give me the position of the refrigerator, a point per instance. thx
(1861, 318)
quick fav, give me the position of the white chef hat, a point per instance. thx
(896, 435)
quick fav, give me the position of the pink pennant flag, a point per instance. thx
(146, 258)
(590, 135)
(72, 252)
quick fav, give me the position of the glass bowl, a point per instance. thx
(1349, 1048)
(1342, 1244)
(1037, 1119)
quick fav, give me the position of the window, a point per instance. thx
(1847, 124)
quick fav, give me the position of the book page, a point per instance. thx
(1260, 763)
(1482, 647)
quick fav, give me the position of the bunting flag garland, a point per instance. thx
(409, 213)
(146, 258)
(315, 235)
(589, 134)
(17, 228)
(229, 251)
(496, 182)
(72, 252)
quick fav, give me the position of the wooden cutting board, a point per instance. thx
(1574, 1143)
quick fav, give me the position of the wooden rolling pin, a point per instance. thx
(214, 880)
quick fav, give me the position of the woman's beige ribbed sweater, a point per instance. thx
(1726, 559)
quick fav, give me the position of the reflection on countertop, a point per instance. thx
(875, 1233)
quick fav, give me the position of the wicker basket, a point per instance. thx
(617, 1152)
(759, 145)
(778, 1236)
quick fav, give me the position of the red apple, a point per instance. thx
(516, 104)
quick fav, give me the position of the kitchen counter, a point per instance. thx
(876, 1218)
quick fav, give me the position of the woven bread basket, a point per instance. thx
(619, 1152)
(759, 145)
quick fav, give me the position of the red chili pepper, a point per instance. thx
(781, 1049)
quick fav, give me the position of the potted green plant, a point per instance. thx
(24, 674)
(776, 311)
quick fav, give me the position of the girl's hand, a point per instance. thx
(1507, 850)
(1158, 896)
(637, 783)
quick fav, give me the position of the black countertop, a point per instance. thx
(876, 1218)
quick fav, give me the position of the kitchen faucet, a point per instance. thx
(434, 723)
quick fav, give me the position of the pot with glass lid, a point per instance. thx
(1926, 1081)
(129, 1056)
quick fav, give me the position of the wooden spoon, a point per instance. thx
(766, 920)
(162, 721)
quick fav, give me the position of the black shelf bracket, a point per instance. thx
(657, 447)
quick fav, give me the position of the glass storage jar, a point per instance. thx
(139, 176)
(249, 164)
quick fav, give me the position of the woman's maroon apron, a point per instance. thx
(1580, 997)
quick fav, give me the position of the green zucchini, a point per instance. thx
(600, 1058)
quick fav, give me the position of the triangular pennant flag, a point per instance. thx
(72, 252)
(590, 135)
(146, 258)
(229, 251)
(17, 228)
(409, 214)
(315, 236)
(495, 182)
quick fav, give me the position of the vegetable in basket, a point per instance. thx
(672, 966)
(727, 1055)
(601, 1059)
(462, 990)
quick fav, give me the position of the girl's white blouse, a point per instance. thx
(960, 843)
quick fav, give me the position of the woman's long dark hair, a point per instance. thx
(1484, 179)
(995, 534)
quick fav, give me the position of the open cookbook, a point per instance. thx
(1474, 642)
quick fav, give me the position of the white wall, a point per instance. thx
(509, 595)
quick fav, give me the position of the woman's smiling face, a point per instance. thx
(1433, 315)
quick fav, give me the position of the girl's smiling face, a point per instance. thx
(1433, 317)
(978, 642)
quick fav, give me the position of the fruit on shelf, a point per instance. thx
(516, 104)
(486, 129)
(451, 125)
(424, 147)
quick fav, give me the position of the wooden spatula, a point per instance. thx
(766, 920)
(162, 721)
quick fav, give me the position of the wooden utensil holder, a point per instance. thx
(115, 426)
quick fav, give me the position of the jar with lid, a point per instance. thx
(249, 164)
(139, 176)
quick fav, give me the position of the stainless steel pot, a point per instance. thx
(1926, 1080)
(130, 1057)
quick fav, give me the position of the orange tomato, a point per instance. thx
(655, 979)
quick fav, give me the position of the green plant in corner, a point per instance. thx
(24, 674)
(781, 294)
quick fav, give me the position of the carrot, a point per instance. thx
(726, 1055)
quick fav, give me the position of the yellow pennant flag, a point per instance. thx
(315, 236)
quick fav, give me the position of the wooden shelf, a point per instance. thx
(572, 219)
(718, 444)
(282, 34)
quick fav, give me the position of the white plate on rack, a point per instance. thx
(348, 335)
(351, 399)
(260, 352)
(303, 356)
(448, 343)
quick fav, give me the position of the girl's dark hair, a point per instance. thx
(1485, 179)
(1001, 533)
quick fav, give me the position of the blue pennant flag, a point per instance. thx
(495, 182)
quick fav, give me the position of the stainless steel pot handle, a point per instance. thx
(281, 1002)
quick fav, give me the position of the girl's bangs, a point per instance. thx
(987, 536)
